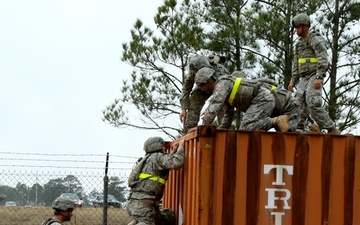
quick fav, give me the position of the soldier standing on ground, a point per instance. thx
(63, 211)
(147, 180)
(248, 96)
(309, 68)
(192, 98)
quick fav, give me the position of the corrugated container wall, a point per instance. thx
(266, 178)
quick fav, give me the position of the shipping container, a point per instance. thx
(266, 178)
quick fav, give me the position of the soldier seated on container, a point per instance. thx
(63, 211)
(248, 96)
(147, 179)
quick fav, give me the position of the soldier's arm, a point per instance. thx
(228, 117)
(175, 160)
(218, 100)
(186, 90)
(295, 72)
(319, 45)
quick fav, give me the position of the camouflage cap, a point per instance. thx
(153, 144)
(168, 216)
(301, 19)
(203, 75)
(63, 204)
(198, 62)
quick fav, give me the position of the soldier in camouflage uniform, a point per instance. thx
(63, 211)
(248, 96)
(309, 68)
(147, 180)
(192, 98)
(284, 100)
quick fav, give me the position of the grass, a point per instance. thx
(16, 215)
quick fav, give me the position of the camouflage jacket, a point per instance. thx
(190, 81)
(158, 165)
(246, 91)
(313, 46)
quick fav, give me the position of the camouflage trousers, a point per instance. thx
(309, 101)
(285, 105)
(257, 116)
(144, 211)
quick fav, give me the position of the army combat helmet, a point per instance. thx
(198, 61)
(203, 75)
(301, 19)
(63, 204)
(153, 144)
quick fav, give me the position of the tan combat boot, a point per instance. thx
(334, 130)
(315, 129)
(281, 123)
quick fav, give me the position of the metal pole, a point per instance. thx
(106, 182)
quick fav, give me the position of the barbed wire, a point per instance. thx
(65, 154)
(64, 167)
(62, 160)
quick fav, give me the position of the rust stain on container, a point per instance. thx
(266, 178)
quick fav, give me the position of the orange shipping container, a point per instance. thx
(266, 178)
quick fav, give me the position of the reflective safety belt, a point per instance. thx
(152, 177)
(234, 90)
(273, 87)
(307, 60)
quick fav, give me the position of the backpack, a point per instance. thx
(50, 221)
(134, 175)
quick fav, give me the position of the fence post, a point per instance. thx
(106, 182)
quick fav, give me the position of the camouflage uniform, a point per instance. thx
(284, 102)
(229, 92)
(148, 187)
(310, 63)
(193, 98)
(167, 217)
(255, 101)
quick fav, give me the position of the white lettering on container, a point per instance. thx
(278, 194)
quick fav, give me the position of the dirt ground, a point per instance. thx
(16, 215)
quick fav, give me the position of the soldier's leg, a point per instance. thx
(257, 116)
(292, 112)
(197, 101)
(300, 105)
(315, 104)
(141, 212)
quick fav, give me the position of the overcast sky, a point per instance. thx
(60, 67)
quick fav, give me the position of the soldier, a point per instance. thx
(63, 211)
(248, 96)
(147, 180)
(192, 100)
(284, 100)
(309, 68)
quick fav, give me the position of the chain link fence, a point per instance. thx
(30, 182)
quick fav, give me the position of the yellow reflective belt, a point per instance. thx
(273, 87)
(234, 90)
(152, 177)
(307, 60)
